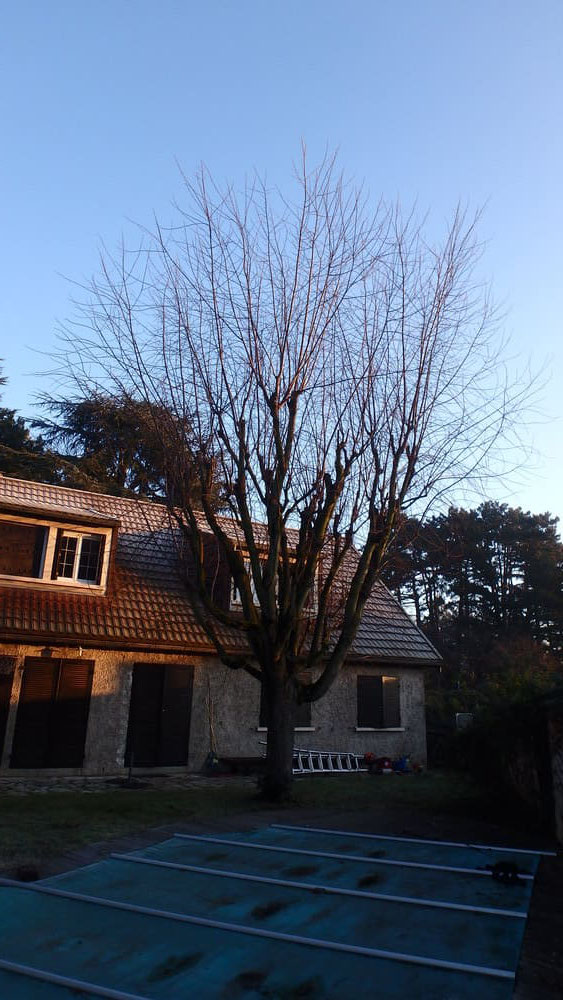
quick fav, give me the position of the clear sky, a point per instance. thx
(432, 100)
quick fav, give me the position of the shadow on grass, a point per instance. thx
(38, 826)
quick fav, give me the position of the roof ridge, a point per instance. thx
(88, 493)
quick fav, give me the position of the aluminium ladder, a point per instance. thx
(307, 761)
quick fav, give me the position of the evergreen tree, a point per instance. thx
(125, 446)
(482, 580)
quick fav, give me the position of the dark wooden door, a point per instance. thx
(144, 715)
(52, 713)
(175, 714)
(159, 715)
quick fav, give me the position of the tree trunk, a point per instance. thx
(278, 774)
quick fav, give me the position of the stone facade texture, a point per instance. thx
(224, 711)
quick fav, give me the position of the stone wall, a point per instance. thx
(225, 711)
(235, 698)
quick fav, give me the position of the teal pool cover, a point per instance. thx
(281, 912)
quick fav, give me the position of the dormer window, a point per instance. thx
(236, 600)
(79, 557)
(34, 552)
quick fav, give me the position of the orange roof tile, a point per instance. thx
(146, 603)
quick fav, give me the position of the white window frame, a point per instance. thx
(81, 536)
(236, 601)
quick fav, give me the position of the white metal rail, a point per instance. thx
(244, 929)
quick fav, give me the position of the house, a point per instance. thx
(103, 663)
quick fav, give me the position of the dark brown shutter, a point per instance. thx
(175, 715)
(391, 702)
(56, 554)
(69, 716)
(31, 734)
(143, 736)
(370, 701)
(52, 714)
(7, 664)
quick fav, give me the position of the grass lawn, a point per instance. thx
(41, 825)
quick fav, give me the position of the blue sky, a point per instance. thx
(430, 101)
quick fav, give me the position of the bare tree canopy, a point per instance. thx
(338, 368)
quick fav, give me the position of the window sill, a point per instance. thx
(296, 729)
(380, 729)
(60, 584)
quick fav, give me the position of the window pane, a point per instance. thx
(302, 717)
(235, 594)
(89, 561)
(21, 549)
(378, 702)
(67, 554)
(370, 701)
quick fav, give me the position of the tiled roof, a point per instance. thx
(146, 602)
(18, 505)
(387, 633)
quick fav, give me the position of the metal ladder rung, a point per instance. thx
(319, 761)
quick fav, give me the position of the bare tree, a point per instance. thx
(338, 367)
